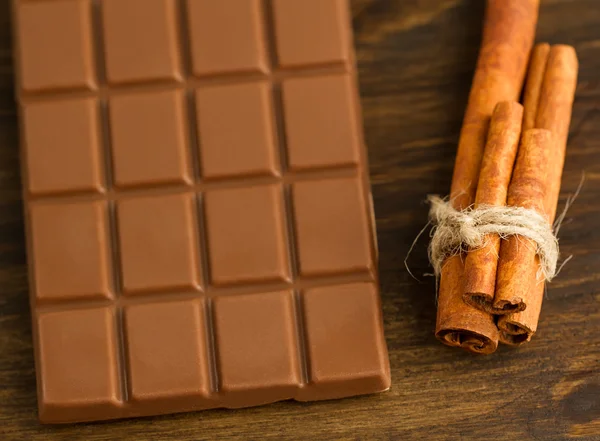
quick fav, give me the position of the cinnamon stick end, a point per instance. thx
(514, 340)
(485, 302)
(511, 306)
(480, 300)
(480, 275)
(514, 332)
(471, 341)
(458, 324)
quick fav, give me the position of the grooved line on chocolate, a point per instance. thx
(205, 274)
(200, 186)
(211, 346)
(105, 90)
(113, 255)
(193, 152)
(281, 142)
(301, 283)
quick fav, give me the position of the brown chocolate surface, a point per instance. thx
(198, 217)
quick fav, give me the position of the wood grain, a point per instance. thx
(416, 60)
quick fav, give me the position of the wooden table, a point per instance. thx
(416, 60)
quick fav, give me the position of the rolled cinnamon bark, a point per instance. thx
(533, 86)
(554, 114)
(518, 264)
(496, 170)
(508, 33)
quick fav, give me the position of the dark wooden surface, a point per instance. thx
(416, 60)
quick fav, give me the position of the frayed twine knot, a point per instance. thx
(456, 231)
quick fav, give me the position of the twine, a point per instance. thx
(457, 231)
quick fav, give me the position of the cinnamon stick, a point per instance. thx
(508, 32)
(533, 86)
(496, 170)
(518, 263)
(554, 114)
(513, 280)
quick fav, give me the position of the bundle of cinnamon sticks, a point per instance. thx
(508, 154)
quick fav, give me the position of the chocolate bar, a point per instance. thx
(198, 212)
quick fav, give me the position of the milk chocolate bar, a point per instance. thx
(197, 205)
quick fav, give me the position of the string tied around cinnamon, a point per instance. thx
(456, 231)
